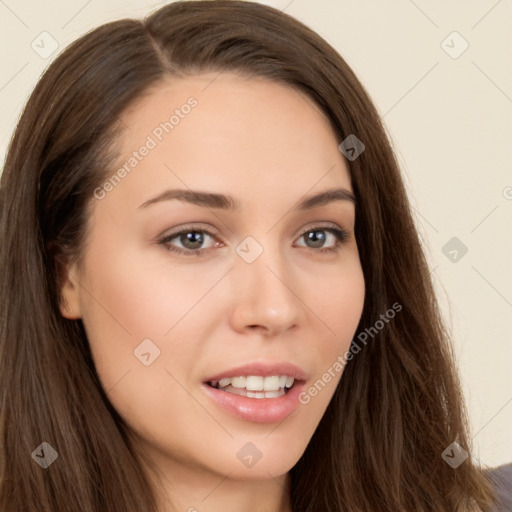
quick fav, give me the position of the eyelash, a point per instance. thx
(340, 234)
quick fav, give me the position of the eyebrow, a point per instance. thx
(224, 202)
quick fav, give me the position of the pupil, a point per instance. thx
(318, 240)
(192, 237)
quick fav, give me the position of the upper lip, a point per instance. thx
(265, 369)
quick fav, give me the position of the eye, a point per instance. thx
(192, 240)
(317, 238)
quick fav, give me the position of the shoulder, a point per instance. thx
(502, 479)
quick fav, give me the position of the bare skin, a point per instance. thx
(268, 147)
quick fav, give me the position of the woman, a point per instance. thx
(187, 349)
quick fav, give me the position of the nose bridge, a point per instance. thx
(264, 290)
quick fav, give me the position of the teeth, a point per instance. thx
(238, 382)
(271, 383)
(254, 394)
(224, 382)
(253, 383)
(274, 394)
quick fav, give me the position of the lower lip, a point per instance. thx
(258, 410)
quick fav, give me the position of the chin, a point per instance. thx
(259, 458)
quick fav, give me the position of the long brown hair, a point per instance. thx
(398, 405)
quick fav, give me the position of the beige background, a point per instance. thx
(451, 122)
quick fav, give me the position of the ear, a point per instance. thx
(70, 290)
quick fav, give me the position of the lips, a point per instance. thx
(257, 392)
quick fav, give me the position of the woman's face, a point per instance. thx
(273, 293)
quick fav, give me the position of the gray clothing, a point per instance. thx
(502, 478)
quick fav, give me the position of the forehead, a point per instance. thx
(251, 135)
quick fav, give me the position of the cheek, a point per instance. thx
(141, 304)
(142, 340)
(340, 307)
(140, 295)
(130, 303)
(345, 299)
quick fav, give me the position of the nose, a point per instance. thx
(264, 295)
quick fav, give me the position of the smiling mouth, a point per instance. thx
(255, 386)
